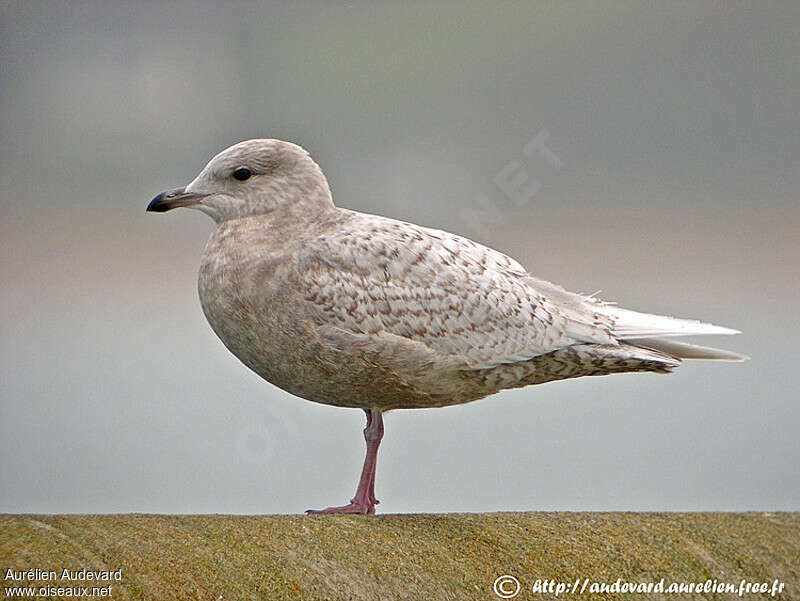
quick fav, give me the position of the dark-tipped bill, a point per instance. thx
(172, 199)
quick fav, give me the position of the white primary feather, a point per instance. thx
(683, 350)
(632, 324)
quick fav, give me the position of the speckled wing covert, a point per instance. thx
(471, 304)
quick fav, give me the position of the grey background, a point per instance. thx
(677, 134)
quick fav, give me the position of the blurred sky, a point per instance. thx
(671, 184)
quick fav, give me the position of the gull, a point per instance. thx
(362, 311)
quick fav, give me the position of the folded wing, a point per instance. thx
(471, 305)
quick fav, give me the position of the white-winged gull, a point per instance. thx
(362, 311)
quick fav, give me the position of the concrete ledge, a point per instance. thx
(426, 557)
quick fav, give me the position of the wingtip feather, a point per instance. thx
(683, 350)
(633, 324)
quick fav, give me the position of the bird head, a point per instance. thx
(253, 177)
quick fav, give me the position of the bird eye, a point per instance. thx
(242, 173)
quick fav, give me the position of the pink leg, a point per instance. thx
(364, 501)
